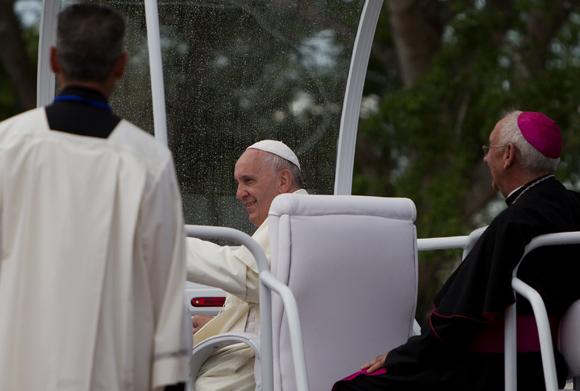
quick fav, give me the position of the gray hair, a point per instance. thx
(89, 41)
(279, 163)
(530, 158)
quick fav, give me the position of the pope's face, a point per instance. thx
(258, 184)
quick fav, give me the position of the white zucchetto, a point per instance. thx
(277, 148)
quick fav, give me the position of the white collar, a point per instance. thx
(513, 191)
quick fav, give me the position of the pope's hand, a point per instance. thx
(197, 321)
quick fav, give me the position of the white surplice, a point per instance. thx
(92, 262)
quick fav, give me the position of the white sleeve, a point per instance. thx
(222, 267)
(164, 243)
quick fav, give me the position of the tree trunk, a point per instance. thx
(480, 192)
(417, 28)
(13, 56)
(542, 26)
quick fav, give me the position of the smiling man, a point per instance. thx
(265, 169)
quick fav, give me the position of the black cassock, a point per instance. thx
(462, 347)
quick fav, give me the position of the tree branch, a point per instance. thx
(542, 26)
(480, 192)
(417, 29)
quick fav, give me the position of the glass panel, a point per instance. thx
(240, 71)
(237, 72)
(132, 96)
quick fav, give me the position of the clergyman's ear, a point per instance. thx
(54, 64)
(509, 156)
(119, 67)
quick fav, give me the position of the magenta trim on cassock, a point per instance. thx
(541, 132)
(362, 372)
(491, 339)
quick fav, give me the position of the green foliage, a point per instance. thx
(426, 139)
(9, 104)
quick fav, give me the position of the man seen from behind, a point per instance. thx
(92, 269)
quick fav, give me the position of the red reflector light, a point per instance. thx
(208, 301)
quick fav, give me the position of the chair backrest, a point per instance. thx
(351, 263)
(569, 338)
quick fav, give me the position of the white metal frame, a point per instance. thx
(45, 80)
(451, 242)
(156, 71)
(443, 243)
(268, 280)
(526, 291)
(540, 314)
(268, 283)
(353, 96)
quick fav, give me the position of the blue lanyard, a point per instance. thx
(90, 102)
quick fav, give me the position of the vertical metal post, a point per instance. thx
(353, 96)
(45, 80)
(510, 350)
(266, 337)
(156, 70)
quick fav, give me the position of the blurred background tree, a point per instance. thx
(17, 62)
(441, 74)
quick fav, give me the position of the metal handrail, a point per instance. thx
(540, 314)
(294, 328)
(210, 232)
(442, 243)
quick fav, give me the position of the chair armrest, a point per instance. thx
(540, 314)
(415, 329)
(203, 350)
(291, 309)
(544, 334)
(209, 232)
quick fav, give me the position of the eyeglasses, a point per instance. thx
(486, 148)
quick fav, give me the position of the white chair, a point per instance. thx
(569, 333)
(351, 265)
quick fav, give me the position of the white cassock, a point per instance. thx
(92, 264)
(234, 270)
